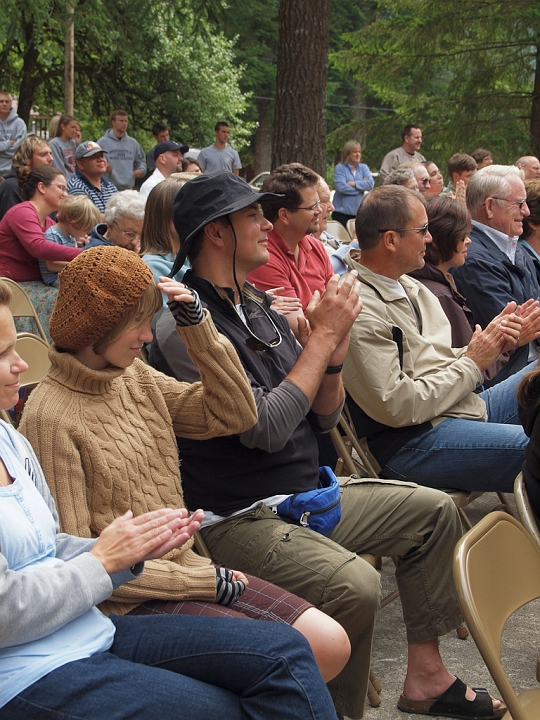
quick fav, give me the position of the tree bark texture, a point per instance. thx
(263, 139)
(69, 62)
(535, 107)
(300, 110)
(29, 82)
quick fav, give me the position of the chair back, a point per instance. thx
(21, 305)
(496, 571)
(351, 228)
(336, 229)
(35, 352)
(525, 511)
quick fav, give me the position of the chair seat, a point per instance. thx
(530, 702)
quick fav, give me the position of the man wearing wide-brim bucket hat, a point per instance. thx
(241, 479)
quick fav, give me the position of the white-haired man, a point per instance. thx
(498, 270)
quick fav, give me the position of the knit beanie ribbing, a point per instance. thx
(97, 289)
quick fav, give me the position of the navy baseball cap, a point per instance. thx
(169, 145)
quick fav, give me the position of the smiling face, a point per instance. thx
(304, 219)
(11, 364)
(251, 228)
(53, 193)
(326, 205)
(413, 142)
(93, 167)
(122, 352)
(506, 215)
(126, 232)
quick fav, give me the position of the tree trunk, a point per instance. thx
(28, 84)
(263, 139)
(69, 61)
(535, 108)
(300, 114)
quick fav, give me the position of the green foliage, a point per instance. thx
(156, 59)
(463, 71)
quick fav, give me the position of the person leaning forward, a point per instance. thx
(298, 391)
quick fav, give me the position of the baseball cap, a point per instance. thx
(205, 199)
(169, 145)
(87, 149)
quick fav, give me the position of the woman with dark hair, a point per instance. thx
(65, 143)
(61, 657)
(449, 226)
(352, 179)
(22, 229)
(531, 224)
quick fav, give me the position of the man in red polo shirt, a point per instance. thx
(299, 263)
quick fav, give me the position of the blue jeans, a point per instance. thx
(467, 455)
(180, 667)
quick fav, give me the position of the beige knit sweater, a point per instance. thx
(106, 442)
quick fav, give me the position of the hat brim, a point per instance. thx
(239, 204)
(92, 153)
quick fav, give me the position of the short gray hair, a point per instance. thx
(128, 203)
(400, 176)
(489, 181)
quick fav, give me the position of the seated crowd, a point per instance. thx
(260, 327)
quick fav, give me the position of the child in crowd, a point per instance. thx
(77, 215)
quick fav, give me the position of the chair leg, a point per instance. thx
(505, 505)
(374, 688)
(464, 519)
(462, 632)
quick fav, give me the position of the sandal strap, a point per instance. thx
(454, 701)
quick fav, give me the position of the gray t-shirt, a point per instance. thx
(212, 159)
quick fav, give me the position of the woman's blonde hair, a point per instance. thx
(146, 307)
(80, 211)
(5, 294)
(348, 148)
(158, 234)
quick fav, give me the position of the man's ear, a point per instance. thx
(215, 233)
(488, 207)
(283, 215)
(388, 240)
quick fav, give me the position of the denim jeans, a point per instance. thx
(182, 667)
(467, 455)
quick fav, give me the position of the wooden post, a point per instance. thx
(69, 61)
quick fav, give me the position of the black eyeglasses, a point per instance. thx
(519, 203)
(423, 230)
(254, 342)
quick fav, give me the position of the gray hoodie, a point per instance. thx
(125, 155)
(12, 128)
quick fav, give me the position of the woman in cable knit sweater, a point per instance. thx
(103, 426)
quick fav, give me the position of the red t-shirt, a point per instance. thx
(312, 272)
(22, 244)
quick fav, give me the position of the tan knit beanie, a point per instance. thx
(97, 289)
